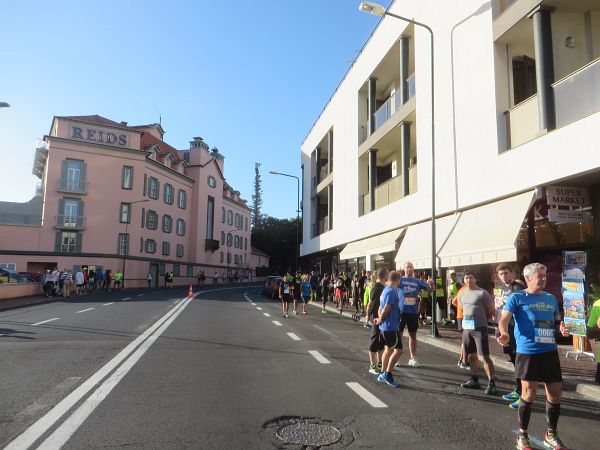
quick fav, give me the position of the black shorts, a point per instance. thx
(325, 295)
(376, 339)
(286, 298)
(409, 320)
(544, 367)
(392, 339)
(476, 341)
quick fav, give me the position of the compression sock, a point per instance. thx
(552, 415)
(475, 378)
(524, 413)
(518, 386)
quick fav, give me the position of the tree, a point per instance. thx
(277, 238)
(256, 198)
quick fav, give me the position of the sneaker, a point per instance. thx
(471, 384)
(304, 312)
(374, 369)
(523, 442)
(387, 379)
(413, 362)
(490, 390)
(323, 311)
(464, 366)
(285, 316)
(511, 396)
(295, 313)
(515, 404)
(552, 441)
(379, 366)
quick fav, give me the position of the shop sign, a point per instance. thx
(564, 215)
(98, 135)
(567, 196)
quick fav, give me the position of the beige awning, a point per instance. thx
(373, 245)
(416, 245)
(487, 234)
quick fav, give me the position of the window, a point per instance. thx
(222, 257)
(237, 220)
(9, 266)
(245, 243)
(229, 239)
(125, 213)
(181, 199)
(180, 250)
(236, 259)
(70, 212)
(150, 246)
(168, 196)
(167, 225)
(222, 238)
(143, 217)
(141, 245)
(222, 215)
(127, 177)
(180, 227)
(166, 248)
(176, 270)
(151, 220)
(68, 242)
(123, 244)
(189, 271)
(229, 217)
(210, 213)
(236, 241)
(154, 188)
(212, 182)
(72, 176)
(162, 268)
(228, 258)
(246, 219)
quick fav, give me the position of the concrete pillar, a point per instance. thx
(544, 65)
(404, 40)
(595, 200)
(330, 144)
(372, 104)
(318, 165)
(330, 204)
(372, 178)
(405, 151)
(369, 262)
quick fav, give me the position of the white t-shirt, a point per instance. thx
(79, 278)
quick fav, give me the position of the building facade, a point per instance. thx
(517, 176)
(117, 197)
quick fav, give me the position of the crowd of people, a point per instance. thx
(62, 283)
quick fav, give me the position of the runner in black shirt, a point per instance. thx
(286, 288)
(377, 344)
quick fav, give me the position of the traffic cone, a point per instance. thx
(190, 293)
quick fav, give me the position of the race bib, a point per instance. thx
(544, 332)
(286, 290)
(410, 301)
(468, 323)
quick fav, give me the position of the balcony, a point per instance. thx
(323, 172)
(211, 245)
(577, 95)
(72, 186)
(523, 122)
(390, 191)
(363, 132)
(63, 222)
(321, 227)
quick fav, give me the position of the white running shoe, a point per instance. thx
(413, 362)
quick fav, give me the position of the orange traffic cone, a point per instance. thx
(190, 293)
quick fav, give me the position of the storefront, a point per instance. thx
(371, 253)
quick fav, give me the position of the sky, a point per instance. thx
(249, 77)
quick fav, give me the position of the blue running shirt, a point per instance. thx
(411, 288)
(534, 316)
(391, 296)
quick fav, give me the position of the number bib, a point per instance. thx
(286, 290)
(410, 301)
(468, 323)
(544, 332)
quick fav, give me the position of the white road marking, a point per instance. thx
(106, 304)
(266, 314)
(294, 336)
(366, 395)
(41, 426)
(276, 322)
(84, 310)
(140, 295)
(64, 432)
(535, 440)
(253, 304)
(319, 357)
(126, 298)
(325, 331)
(44, 321)
(259, 308)
(47, 399)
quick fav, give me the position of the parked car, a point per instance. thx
(271, 286)
(30, 276)
(10, 276)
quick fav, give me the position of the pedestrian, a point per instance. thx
(68, 283)
(108, 279)
(372, 278)
(325, 292)
(411, 304)
(453, 288)
(149, 279)
(537, 321)
(463, 360)
(100, 279)
(91, 280)
(79, 282)
(55, 280)
(339, 291)
(199, 278)
(376, 344)
(286, 293)
(48, 284)
(313, 280)
(440, 298)
(296, 292)
(118, 280)
(306, 293)
(506, 285)
(478, 307)
(216, 278)
(388, 321)
(61, 282)
(363, 279)
(593, 333)
(85, 280)
(166, 278)
(170, 278)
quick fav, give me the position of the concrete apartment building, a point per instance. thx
(516, 129)
(118, 197)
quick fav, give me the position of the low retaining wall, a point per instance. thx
(12, 290)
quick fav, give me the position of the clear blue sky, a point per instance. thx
(249, 77)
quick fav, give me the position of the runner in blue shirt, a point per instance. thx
(411, 287)
(305, 293)
(536, 318)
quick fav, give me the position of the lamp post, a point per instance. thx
(378, 10)
(272, 172)
(127, 235)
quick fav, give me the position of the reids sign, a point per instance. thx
(97, 135)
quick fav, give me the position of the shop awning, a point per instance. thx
(487, 234)
(416, 245)
(373, 245)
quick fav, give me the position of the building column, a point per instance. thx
(595, 200)
(330, 205)
(544, 65)
(330, 144)
(404, 40)
(318, 165)
(372, 178)
(405, 150)
(372, 104)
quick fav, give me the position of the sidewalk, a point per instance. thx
(578, 374)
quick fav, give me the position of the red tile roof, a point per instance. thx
(95, 119)
(149, 139)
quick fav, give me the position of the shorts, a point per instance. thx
(409, 320)
(376, 344)
(339, 293)
(305, 298)
(325, 295)
(544, 367)
(476, 341)
(117, 283)
(286, 298)
(392, 339)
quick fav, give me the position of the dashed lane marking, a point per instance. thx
(106, 304)
(259, 308)
(44, 321)
(140, 295)
(277, 323)
(253, 304)
(127, 298)
(294, 336)
(266, 314)
(319, 357)
(366, 395)
(84, 310)
(325, 331)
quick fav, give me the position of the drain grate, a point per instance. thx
(307, 433)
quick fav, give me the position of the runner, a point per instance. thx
(118, 280)
(296, 291)
(306, 293)
(389, 324)
(536, 317)
(505, 285)
(411, 288)
(463, 360)
(593, 332)
(339, 292)
(453, 289)
(285, 293)
(325, 291)
(376, 345)
(478, 306)
(149, 279)
(367, 295)
(362, 284)
(314, 285)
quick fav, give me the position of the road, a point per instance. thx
(151, 369)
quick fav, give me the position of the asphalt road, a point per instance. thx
(149, 369)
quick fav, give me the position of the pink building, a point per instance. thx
(118, 197)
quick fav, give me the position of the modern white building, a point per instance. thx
(517, 96)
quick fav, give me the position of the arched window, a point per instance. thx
(229, 217)
(229, 239)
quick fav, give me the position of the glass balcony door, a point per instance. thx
(70, 213)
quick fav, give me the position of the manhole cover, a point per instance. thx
(307, 433)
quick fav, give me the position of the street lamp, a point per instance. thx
(4, 105)
(272, 172)
(126, 251)
(378, 10)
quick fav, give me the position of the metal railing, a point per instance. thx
(72, 186)
(64, 222)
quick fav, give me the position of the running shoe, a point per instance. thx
(552, 441)
(304, 312)
(387, 379)
(379, 366)
(490, 390)
(323, 311)
(515, 404)
(523, 442)
(413, 362)
(285, 316)
(512, 396)
(295, 313)
(471, 384)
(374, 369)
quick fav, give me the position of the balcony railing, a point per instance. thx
(523, 122)
(72, 186)
(393, 103)
(412, 86)
(577, 95)
(69, 222)
(389, 191)
(323, 172)
(211, 245)
(363, 132)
